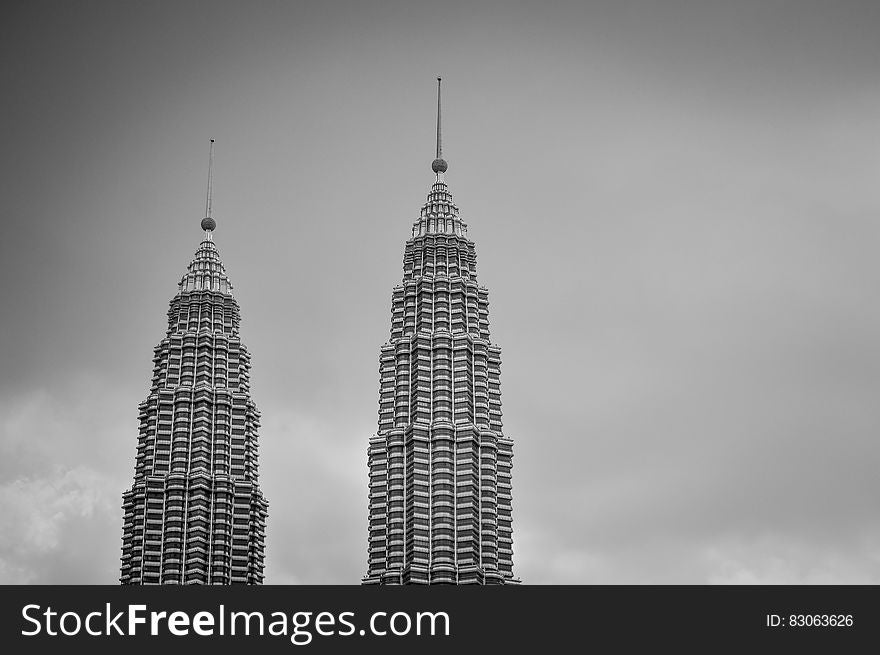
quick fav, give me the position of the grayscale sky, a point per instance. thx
(676, 207)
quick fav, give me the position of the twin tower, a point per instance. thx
(439, 464)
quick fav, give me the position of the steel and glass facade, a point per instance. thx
(195, 513)
(439, 464)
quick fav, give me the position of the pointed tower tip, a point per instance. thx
(439, 165)
(208, 222)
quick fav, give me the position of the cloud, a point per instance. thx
(680, 253)
(49, 525)
(65, 462)
(770, 557)
(774, 560)
(313, 472)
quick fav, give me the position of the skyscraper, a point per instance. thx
(195, 513)
(439, 465)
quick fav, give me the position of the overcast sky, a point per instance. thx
(676, 207)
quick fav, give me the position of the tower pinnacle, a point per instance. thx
(439, 165)
(208, 222)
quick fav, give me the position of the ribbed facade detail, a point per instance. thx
(439, 466)
(195, 513)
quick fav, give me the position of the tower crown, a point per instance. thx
(439, 214)
(206, 271)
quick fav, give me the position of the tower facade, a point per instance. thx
(439, 464)
(195, 513)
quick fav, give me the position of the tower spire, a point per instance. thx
(439, 165)
(208, 222)
(439, 140)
